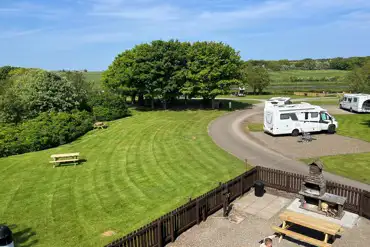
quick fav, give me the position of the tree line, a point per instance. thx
(167, 70)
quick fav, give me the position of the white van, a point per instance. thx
(295, 118)
(355, 102)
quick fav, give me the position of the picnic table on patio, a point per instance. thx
(290, 218)
(65, 158)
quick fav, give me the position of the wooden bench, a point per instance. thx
(290, 218)
(300, 237)
(65, 158)
(100, 125)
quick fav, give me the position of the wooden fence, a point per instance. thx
(165, 229)
(358, 201)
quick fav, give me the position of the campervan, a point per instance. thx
(297, 118)
(355, 102)
(278, 101)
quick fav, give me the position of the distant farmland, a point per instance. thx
(291, 80)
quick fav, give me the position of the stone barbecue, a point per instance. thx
(314, 197)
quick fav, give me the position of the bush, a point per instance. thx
(45, 131)
(108, 106)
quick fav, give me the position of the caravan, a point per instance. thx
(356, 102)
(297, 118)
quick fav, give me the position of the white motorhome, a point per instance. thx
(297, 118)
(278, 101)
(355, 102)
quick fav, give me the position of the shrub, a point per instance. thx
(108, 106)
(45, 131)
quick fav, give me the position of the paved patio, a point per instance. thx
(250, 221)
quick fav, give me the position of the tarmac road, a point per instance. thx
(226, 131)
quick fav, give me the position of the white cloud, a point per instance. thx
(29, 9)
(164, 12)
(13, 34)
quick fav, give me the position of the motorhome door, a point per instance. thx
(325, 120)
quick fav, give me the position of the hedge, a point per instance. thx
(45, 131)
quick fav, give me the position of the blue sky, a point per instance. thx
(88, 34)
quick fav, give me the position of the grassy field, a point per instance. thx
(281, 80)
(354, 166)
(136, 170)
(321, 101)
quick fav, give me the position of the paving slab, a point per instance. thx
(348, 220)
(223, 232)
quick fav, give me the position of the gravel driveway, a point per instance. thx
(228, 133)
(323, 145)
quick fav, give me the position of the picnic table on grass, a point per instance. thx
(65, 158)
(290, 218)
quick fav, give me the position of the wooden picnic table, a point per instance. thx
(290, 218)
(65, 158)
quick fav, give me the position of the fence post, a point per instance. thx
(241, 185)
(225, 196)
(204, 210)
(197, 211)
(361, 202)
(172, 225)
(159, 233)
(287, 185)
(258, 171)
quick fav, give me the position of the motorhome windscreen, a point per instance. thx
(325, 116)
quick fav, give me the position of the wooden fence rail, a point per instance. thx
(165, 229)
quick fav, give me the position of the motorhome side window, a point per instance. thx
(314, 114)
(306, 115)
(286, 116)
(354, 99)
(349, 100)
(345, 98)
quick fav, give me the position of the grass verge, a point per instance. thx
(254, 127)
(135, 171)
(354, 166)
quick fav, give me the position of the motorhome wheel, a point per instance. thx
(295, 132)
(331, 129)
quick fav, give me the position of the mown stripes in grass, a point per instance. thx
(136, 170)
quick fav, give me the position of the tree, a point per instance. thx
(33, 91)
(108, 106)
(309, 64)
(257, 78)
(212, 68)
(82, 87)
(12, 108)
(339, 63)
(4, 72)
(359, 79)
(120, 76)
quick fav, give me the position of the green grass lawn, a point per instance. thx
(354, 125)
(137, 169)
(281, 76)
(254, 127)
(354, 166)
(322, 101)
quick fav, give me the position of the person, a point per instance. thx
(267, 243)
